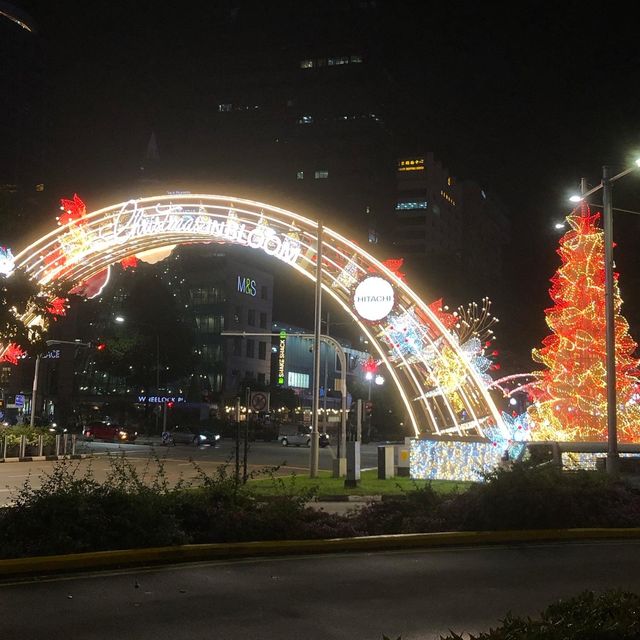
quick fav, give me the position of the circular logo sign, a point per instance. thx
(373, 298)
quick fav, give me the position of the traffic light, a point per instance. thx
(98, 345)
(170, 404)
(368, 407)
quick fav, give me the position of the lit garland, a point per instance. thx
(570, 395)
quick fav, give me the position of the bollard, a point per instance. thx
(57, 444)
(4, 449)
(40, 445)
(23, 446)
(353, 464)
(74, 437)
(65, 443)
(385, 462)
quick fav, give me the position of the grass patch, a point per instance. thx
(370, 485)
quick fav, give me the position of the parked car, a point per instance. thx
(100, 430)
(193, 435)
(302, 438)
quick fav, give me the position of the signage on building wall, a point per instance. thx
(131, 223)
(282, 355)
(161, 399)
(373, 298)
(247, 286)
(54, 354)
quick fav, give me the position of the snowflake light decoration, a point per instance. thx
(512, 438)
(7, 261)
(12, 354)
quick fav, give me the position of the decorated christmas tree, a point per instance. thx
(570, 394)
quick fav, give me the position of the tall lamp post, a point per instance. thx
(610, 337)
(122, 320)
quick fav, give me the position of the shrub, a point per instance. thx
(613, 615)
(414, 511)
(523, 498)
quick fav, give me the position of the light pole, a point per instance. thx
(610, 337)
(317, 330)
(122, 320)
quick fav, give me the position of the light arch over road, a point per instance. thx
(440, 389)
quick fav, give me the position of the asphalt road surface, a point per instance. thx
(416, 595)
(177, 461)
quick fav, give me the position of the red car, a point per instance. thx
(99, 430)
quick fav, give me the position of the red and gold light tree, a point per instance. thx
(571, 393)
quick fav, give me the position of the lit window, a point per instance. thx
(300, 175)
(226, 106)
(338, 60)
(356, 59)
(323, 173)
(306, 64)
(305, 120)
(409, 206)
(298, 380)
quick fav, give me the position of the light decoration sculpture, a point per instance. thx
(149, 226)
(12, 354)
(448, 459)
(570, 398)
(7, 261)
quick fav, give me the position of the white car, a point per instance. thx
(302, 439)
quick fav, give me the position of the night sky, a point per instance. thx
(524, 100)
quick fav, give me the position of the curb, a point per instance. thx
(75, 456)
(80, 562)
(348, 498)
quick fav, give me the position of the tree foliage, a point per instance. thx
(22, 302)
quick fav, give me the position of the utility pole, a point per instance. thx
(610, 341)
(326, 371)
(315, 436)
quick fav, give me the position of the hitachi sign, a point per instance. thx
(373, 298)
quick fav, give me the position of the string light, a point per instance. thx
(570, 396)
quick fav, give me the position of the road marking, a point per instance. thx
(23, 475)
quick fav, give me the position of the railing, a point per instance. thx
(11, 448)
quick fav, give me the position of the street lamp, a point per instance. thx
(610, 345)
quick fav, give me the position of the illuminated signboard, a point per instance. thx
(161, 399)
(373, 298)
(282, 356)
(247, 286)
(412, 164)
(131, 223)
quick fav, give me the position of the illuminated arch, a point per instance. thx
(440, 389)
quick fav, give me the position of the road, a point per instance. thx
(177, 462)
(417, 595)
